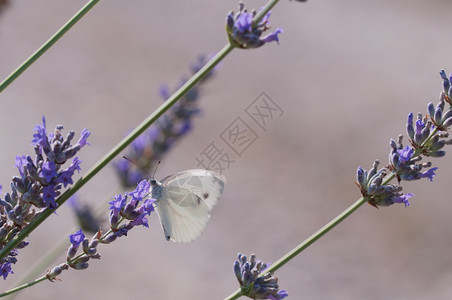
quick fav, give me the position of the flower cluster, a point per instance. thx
(427, 135)
(38, 185)
(252, 283)
(375, 191)
(135, 211)
(244, 34)
(149, 147)
(79, 262)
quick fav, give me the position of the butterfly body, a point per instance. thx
(184, 202)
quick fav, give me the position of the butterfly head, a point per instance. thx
(156, 189)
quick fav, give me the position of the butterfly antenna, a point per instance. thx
(155, 170)
(138, 166)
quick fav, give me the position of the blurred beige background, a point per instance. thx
(346, 74)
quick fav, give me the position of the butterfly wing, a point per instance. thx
(186, 200)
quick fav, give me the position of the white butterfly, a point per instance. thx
(184, 201)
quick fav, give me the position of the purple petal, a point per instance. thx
(273, 36)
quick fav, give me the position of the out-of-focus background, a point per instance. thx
(346, 74)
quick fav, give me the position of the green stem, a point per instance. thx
(27, 285)
(38, 267)
(124, 143)
(44, 262)
(46, 46)
(264, 11)
(118, 148)
(306, 243)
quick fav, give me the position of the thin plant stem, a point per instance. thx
(22, 286)
(122, 144)
(130, 137)
(46, 46)
(19, 288)
(306, 243)
(43, 262)
(49, 257)
(119, 147)
(264, 11)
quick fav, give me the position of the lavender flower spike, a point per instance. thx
(136, 211)
(427, 135)
(244, 35)
(375, 192)
(252, 284)
(39, 183)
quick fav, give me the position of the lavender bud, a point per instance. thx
(22, 244)
(361, 176)
(437, 116)
(431, 109)
(85, 245)
(448, 114)
(52, 274)
(447, 123)
(91, 251)
(114, 219)
(426, 131)
(95, 256)
(82, 259)
(93, 243)
(80, 266)
(410, 126)
(71, 251)
(3, 232)
(437, 145)
(439, 153)
(109, 238)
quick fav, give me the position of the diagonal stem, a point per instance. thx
(306, 243)
(46, 46)
(119, 147)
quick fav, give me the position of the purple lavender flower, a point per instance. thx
(118, 203)
(48, 196)
(44, 175)
(147, 207)
(77, 238)
(402, 198)
(405, 154)
(83, 140)
(40, 137)
(254, 284)
(155, 142)
(447, 85)
(39, 182)
(375, 192)
(427, 135)
(79, 262)
(5, 269)
(141, 220)
(65, 176)
(136, 211)
(141, 191)
(21, 162)
(429, 174)
(243, 34)
(48, 171)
